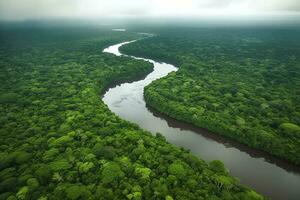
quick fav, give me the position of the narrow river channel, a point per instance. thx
(270, 176)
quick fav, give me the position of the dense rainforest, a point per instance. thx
(242, 83)
(58, 140)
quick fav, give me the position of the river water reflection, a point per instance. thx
(268, 175)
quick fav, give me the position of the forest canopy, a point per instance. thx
(58, 140)
(240, 83)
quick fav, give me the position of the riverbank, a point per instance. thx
(126, 100)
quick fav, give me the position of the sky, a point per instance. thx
(87, 9)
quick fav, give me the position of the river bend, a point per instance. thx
(268, 175)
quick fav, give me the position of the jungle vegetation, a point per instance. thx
(241, 83)
(58, 140)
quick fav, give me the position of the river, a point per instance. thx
(267, 175)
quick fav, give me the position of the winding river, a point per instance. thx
(270, 176)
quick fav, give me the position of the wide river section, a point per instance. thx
(267, 175)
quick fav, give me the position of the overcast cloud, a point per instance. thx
(40, 9)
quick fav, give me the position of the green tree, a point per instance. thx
(111, 172)
(217, 166)
(177, 169)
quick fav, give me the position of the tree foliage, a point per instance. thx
(60, 141)
(238, 83)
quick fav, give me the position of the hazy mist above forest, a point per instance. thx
(17, 10)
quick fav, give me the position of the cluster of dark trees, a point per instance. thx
(239, 83)
(58, 140)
